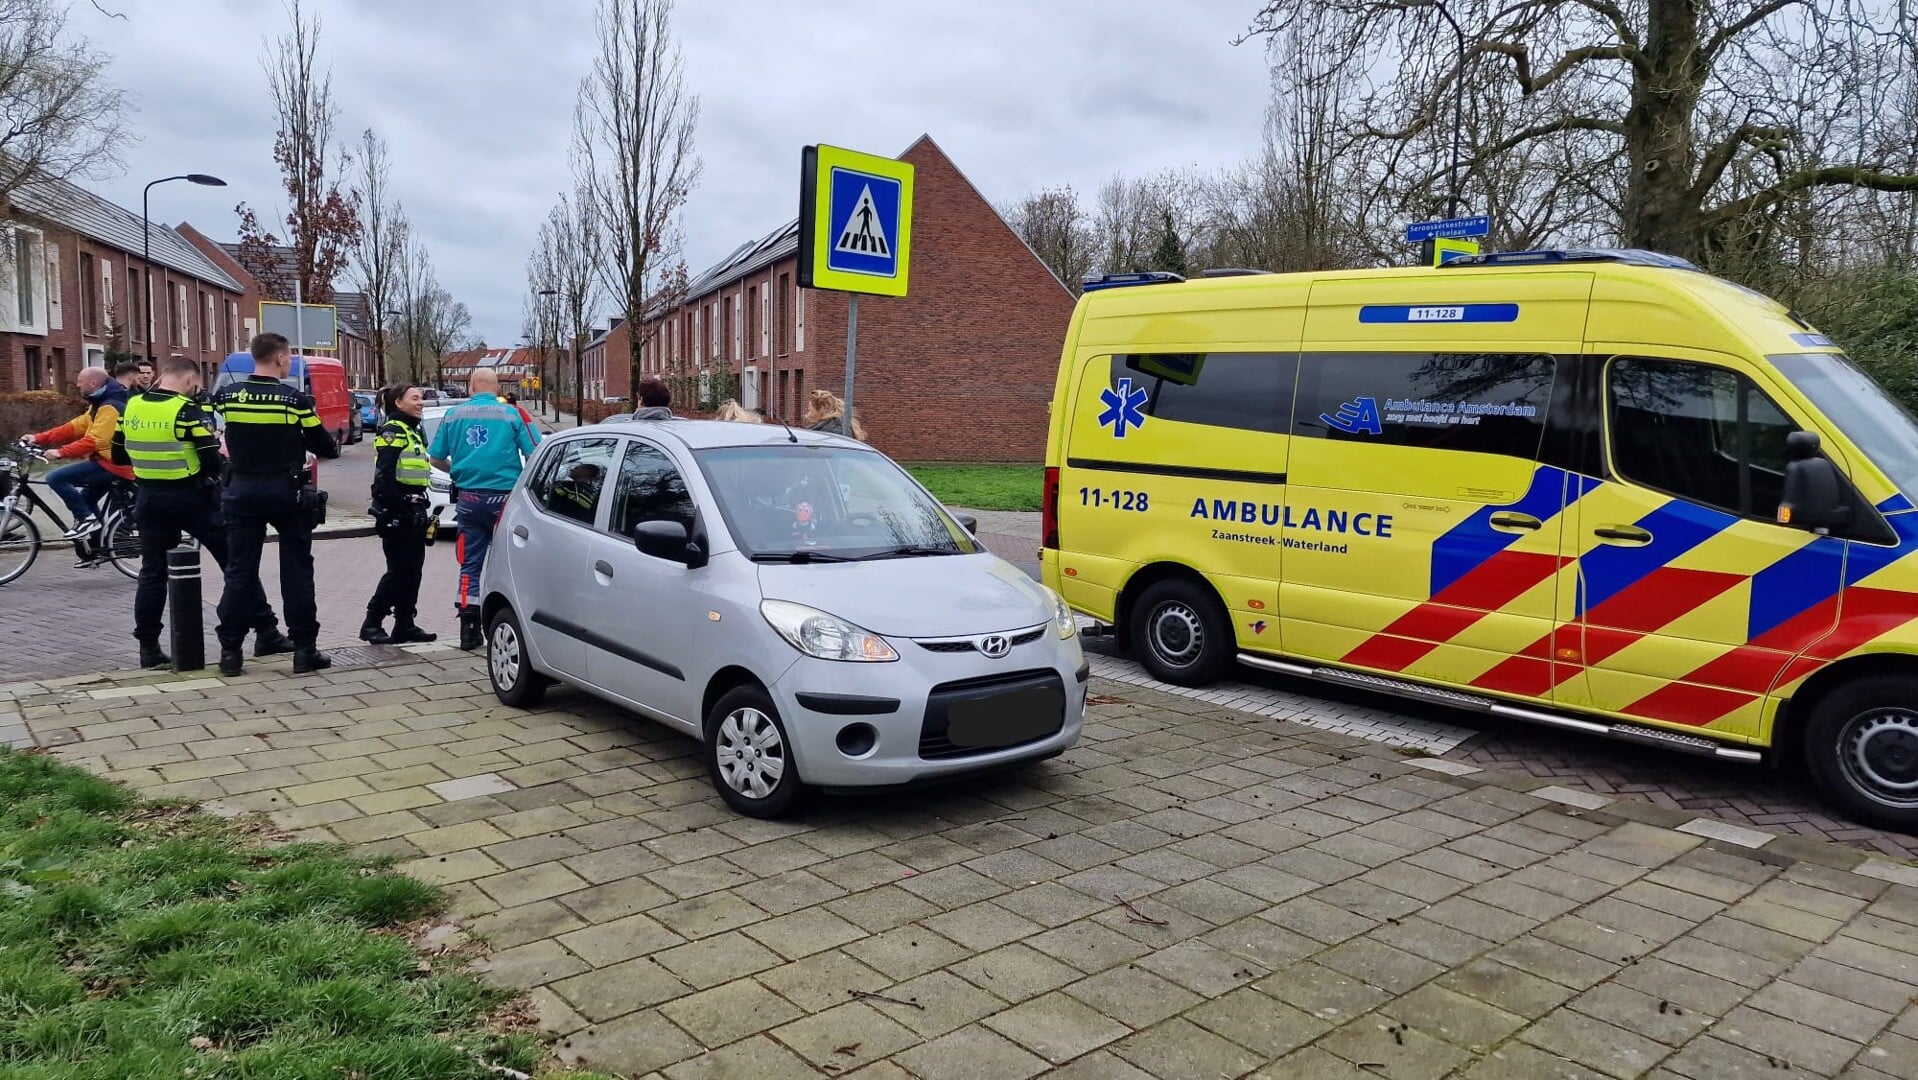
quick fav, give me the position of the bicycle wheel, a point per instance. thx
(19, 544)
(120, 544)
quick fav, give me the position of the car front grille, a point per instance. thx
(971, 644)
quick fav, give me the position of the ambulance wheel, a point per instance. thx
(1181, 633)
(1861, 747)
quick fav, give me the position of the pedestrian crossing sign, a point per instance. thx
(855, 221)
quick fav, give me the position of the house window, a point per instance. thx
(56, 319)
(715, 330)
(766, 321)
(36, 378)
(695, 348)
(210, 321)
(752, 319)
(782, 331)
(135, 327)
(26, 279)
(89, 296)
(739, 327)
(182, 335)
(233, 325)
(799, 319)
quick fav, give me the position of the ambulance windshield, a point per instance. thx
(1854, 403)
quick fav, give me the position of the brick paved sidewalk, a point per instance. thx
(1191, 892)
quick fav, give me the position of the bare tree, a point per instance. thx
(633, 148)
(380, 245)
(576, 246)
(444, 324)
(413, 280)
(1705, 116)
(1056, 228)
(542, 312)
(58, 116)
(322, 218)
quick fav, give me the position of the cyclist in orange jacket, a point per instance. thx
(87, 441)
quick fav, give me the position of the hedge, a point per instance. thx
(35, 410)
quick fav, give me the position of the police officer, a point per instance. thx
(483, 443)
(401, 474)
(175, 457)
(270, 428)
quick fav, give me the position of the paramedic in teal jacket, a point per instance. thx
(483, 443)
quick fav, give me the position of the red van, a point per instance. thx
(321, 376)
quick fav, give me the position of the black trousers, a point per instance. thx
(398, 593)
(165, 512)
(250, 504)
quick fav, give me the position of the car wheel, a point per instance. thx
(1861, 748)
(749, 757)
(515, 682)
(1181, 633)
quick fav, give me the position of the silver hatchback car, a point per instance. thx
(794, 600)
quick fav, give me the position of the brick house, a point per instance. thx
(74, 288)
(961, 369)
(354, 345)
(512, 365)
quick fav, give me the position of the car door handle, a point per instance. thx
(1506, 519)
(520, 531)
(1624, 534)
(603, 568)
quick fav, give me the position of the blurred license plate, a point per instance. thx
(1005, 719)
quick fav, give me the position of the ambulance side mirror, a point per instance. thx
(1815, 492)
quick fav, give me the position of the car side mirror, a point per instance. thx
(668, 540)
(1815, 492)
(968, 522)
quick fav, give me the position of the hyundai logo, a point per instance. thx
(995, 646)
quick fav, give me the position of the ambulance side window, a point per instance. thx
(1698, 432)
(1248, 391)
(1487, 403)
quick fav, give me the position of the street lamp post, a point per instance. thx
(1458, 111)
(146, 245)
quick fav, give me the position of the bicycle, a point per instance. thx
(116, 542)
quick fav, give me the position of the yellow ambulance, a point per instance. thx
(1594, 489)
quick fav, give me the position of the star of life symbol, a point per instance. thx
(1124, 408)
(477, 436)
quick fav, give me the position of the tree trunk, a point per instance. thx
(1662, 212)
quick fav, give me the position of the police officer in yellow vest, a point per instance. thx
(175, 457)
(401, 473)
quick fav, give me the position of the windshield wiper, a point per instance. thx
(907, 551)
(803, 555)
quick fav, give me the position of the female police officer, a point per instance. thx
(400, 476)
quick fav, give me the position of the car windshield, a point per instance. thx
(828, 502)
(1853, 402)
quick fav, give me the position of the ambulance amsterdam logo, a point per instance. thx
(1125, 407)
(865, 233)
(1359, 416)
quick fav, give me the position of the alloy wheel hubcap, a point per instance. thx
(1879, 751)
(505, 657)
(1177, 635)
(752, 756)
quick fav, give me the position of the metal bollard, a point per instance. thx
(184, 615)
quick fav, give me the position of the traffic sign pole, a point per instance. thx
(852, 348)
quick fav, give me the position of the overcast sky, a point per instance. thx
(475, 98)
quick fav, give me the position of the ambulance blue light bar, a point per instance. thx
(1120, 281)
(1628, 256)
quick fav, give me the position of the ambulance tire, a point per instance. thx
(1181, 633)
(1861, 748)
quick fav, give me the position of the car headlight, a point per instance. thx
(827, 637)
(440, 483)
(1062, 619)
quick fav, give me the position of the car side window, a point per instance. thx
(1486, 403)
(570, 486)
(650, 488)
(1701, 433)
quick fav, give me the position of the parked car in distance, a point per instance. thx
(794, 600)
(367, 405)
(439, 486)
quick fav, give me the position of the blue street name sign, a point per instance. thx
(1454, 227)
